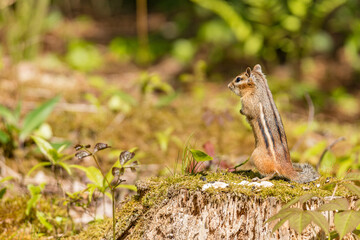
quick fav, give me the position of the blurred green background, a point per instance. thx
(152, 76)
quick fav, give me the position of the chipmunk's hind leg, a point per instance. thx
(287, 170)
(264, 163)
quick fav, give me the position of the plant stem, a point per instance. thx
(113, 210)
(98, 165)
(104, 200)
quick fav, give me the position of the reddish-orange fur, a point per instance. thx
(271, 154)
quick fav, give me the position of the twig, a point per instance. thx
(310, 121)
(328, 148)
(332, 196)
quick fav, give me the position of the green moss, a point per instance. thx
(15, 224)
(154, 191)
(129, 211)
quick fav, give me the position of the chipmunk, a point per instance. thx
(271, 155)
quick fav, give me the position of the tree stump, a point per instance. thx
(170, 210)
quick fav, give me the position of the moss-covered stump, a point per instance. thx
(179, 208)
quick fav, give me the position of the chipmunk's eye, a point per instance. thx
(238, 79)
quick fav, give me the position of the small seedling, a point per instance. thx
(17, 130)
(111, 180)
(346, 218)
(54, 156)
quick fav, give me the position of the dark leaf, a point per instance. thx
(117, 171)
(78, 147)
(125, 156)
(134, 163)
(82, 154)
(100, 146)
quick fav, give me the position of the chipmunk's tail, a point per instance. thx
(305, 173)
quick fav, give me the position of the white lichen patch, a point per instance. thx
(243, 183)
(256, 184)
(214, 185)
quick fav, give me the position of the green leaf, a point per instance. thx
(2, 192)
(126, 97)
(83, 56)
(281, 222)
(183, 50)
(357, 204)
(43, 220)
(319, 220)
(130, 187)
(327, 162)
(36, 117)
(300, 199)
(300, 221)
(6, 179)
(91, 189)
(163, 138)
(7, 115)
(200, 156)
(352, 188)
(240, 27)
(166, 100)
(93, 174)
(43, 164)
(46, 149)
(337, 204)
(352, 176)
(346, 163)
(35, 192)
(315, 150)
(346, 222)
(283, 213)
(64, 166)
(62, 147)
(4, 137)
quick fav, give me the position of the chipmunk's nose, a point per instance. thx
(230, 85)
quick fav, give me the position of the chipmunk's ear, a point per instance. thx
(257, 68)
(248, 71)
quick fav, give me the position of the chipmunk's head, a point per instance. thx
(245, 82)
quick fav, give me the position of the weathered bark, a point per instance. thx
(201, 215)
